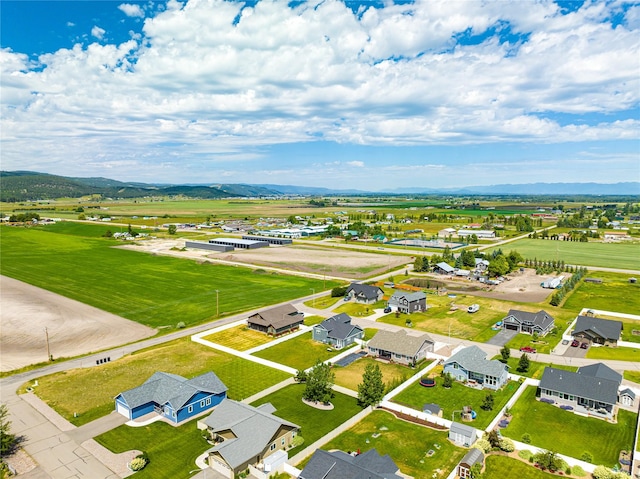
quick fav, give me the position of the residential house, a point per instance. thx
(470, 459)
(364, 293)
(443, 268)
(172, 397)
(482, 265)
(408, 303)
(276, 321)
(340, 465)
(598, 331)
(462, 435)
(245, 436)
(400, 347)
(337, 331)
(525, 322)
(470, 365)
(592, 390)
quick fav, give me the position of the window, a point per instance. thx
(202, 403)
(283, 441)
(190, 408)
(208, 401)
(273, 446)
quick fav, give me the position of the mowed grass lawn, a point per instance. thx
(609, 255)
(406, 443)
(456, 398)
(535, 368)
(300, 352)
(350, 376)
(632, 376)
(619, 353)
(172, 450)
(501, 467)
(615, 293)
(90, 391)
(314, 423)
(152, 290)
(567, 433)
(239, 338)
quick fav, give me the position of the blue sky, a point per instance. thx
(366, 95)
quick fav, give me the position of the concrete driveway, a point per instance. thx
(502, 338)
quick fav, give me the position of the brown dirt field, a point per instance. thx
(522, 287)
(74, 328)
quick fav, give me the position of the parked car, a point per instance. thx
(527, 349)
(387, 309)
(575, 343)
(474, 308)
(584, 345)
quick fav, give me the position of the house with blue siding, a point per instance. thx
(172, 396)
(470, 365)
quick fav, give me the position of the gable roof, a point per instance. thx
(253, 427)
(163, 388)
(278, 317)
(580, 385)
(541, 318)
(445, 267)
(365, 290)
(628, 392)
(466, 431)
(339, 465)
(474, 359)
(431, 408)
(339, 326)
(474, 456)
(600, 370)
(399, 342)
(605, 328)
(410, 297)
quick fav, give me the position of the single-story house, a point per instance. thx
(400, 347)
(470, 459)
(276, 321)
(443, 268)
(592, 390)
(408, 302)
(172, 396)
(481, 265)
(337, 331)
(525, 322)
(627, 397)
(433, 409)
(470, 365)
(462, 434)
(598, 331)
(245, 436)
(364, 293)
(340, 465)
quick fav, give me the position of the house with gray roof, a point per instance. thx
(276, 321)
(470, 365)
(364, 293)
(462, 435)
(406, 302)
(172, 396)
(592, 390)
(400, 347)
(337, 331)
(529, 323)
(340, 465)
(470, 459)
(245, 435)
(597, 331)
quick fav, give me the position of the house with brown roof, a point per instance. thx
(276, 321)
(400, 347)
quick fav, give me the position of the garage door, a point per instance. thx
(123, 410)
(513, 327)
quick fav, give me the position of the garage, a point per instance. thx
(122, 409)
(512, 327)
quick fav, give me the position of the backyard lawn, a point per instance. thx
(314, 423)
(535, 368)
(239, 338)
(454, 399)
(406, 443)
(501, 467)
(392, 374)
(615, 293)
(99, 385)
(300, 352)
(172, 450)
(619, 353)
(567, 433)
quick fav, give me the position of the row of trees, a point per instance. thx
(559, 295)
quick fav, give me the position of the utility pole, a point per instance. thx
(46, 334)
(217, 304)
(313, 300)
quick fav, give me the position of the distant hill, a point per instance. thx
(532, 189)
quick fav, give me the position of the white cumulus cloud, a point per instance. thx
(98, 32)
(131, 10)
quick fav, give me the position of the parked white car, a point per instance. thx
(474, 308)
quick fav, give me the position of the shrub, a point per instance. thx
(525, 454)
(297, 441)
(578, 471)
(180, 325)
(483, 445)
(586, 457)
(602, 472)
(338, 291)
(137, 464)
(526, 438)
(507, 445)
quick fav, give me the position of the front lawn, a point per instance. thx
(618, 353)
(392, 374)
(314, 423)
(567, 433)
(408, 444)
(100, 385)
(543, 345)
(454, 399)
(300, 352)
(239, 338)
(172, 450)
(535, 368)
(358, 309)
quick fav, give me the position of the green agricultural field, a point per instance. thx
(535, 368)
(617, 354)
(609, 255)
(172, 450)
(406, 443)
(152, 290)
(392, 374)
(99, 385)
(454, 399)
(501, 467)
(300, 352)
(314, 423)
(567, 433)
(239, 338)
(615, 293)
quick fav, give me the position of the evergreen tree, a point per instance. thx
(523, 364)
(371, 389)
(319, 383)
(7, 440)
(505, 352)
